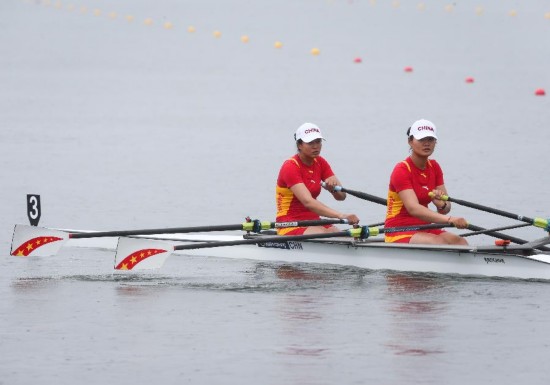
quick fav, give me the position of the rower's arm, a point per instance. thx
(301, 192)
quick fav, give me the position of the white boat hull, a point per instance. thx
(491, 261)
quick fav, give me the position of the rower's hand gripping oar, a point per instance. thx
(538, 222)
(41, 241)
(143, 253)
(382, 201)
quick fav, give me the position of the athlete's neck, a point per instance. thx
(308, 161)
(419, 161)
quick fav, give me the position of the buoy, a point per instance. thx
(190, 29)
(540, 92)
(408, 69)
(357, 60)
(315, 51)
(168, 25)
(217, 34)
(278, 44)
(244, 39)
(130, 18)
(148, 21)
(469, 79)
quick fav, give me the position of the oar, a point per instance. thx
(362, 195)
(255, 226)
(144, 253)
(538, 222)
(382, 201)
(358, 232)
(485, 231)
(498, 235)
(41, 241)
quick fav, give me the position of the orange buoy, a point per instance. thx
(540, 92)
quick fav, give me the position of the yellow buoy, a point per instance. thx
(278, 44)
(421, 7)
(97, 12)
(148, 21)
(130, 18)
(449, 8)
(315, 51)
(112, 15)
(479, 10)
(168, 25)
(547, 15)
(190, 29)
(244, 39)
(513, 12)
(217, 33)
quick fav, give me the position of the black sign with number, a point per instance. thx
(33, 208)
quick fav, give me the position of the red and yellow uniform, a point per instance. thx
(289, 208)
(406, 176)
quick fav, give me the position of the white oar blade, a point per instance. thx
(36, 241)
(141, 254)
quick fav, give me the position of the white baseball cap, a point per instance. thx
(422, 129)
(308, 132)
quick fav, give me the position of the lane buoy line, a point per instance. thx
(315, 51)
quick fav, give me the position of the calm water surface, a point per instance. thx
(118, 125)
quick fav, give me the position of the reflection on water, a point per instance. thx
(291, 272)
(23, 285)
(415, 319)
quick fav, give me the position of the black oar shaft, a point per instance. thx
(365, 196)
(492, 210)
(255, 226)
(487, 231)
(171, 230)
(415, 228)
(496, 234)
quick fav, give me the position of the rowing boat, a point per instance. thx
(506, 261)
